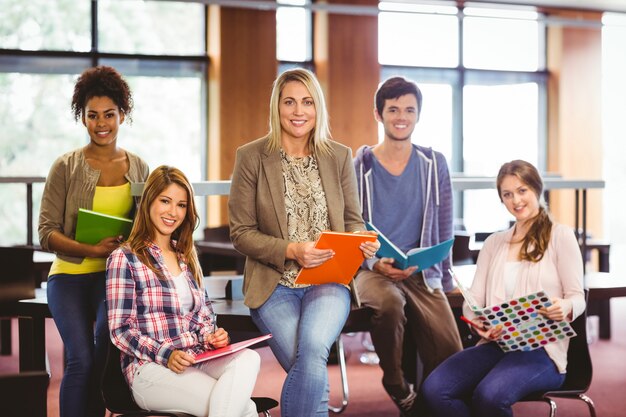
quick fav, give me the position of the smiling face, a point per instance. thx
(518, 198)
(297, 112)
(168, 210)
(102, 118)
(399, 117)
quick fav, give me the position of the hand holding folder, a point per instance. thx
(518, 324)
(232, 348)
(92, 227)
(422, 258)
(343, 265)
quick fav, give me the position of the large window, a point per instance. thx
(45, 44)
(293, 31)
(614, 146)
(484, 101)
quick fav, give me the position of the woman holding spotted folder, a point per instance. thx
(534, 255)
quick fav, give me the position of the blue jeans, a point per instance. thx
(304, 323)
(485, 381)
(76, 302)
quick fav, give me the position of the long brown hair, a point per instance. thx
(144, 231)
(537, 239)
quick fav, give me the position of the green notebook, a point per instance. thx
(92, 227)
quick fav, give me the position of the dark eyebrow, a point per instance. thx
(106, 111)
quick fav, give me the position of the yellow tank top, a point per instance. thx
(116, 201)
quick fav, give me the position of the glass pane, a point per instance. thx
(37, 128)
(293, 32)
(417, 39)
(37, 122)
(63, 25)
(502, 44)
(503, 120)
(613, 144)
(434, 128)
(164, 133)
(151, 27)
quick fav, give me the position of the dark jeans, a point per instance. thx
(76, 302)
(484, 381)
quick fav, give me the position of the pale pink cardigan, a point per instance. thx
(559, 273)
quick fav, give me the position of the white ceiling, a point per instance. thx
(603, 5)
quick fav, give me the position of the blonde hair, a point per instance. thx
(320, 135)
(144, 231)
(537, 239)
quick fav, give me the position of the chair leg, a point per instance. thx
(341, 356)
(5, 337)
(552, 407)
(590, 404)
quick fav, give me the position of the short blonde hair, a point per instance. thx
(320, 135)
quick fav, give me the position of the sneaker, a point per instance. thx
(404, 397)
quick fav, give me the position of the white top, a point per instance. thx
(185, 298)
(511, 272)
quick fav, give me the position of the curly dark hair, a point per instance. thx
(101, 81)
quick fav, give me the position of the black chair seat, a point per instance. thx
(579, 371)
(25, 394)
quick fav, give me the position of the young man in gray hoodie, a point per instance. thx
(405, 192)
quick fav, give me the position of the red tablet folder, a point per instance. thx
(232, 348)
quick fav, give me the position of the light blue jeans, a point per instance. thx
(304, 323)
(485, 381)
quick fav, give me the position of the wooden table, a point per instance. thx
(233, 315)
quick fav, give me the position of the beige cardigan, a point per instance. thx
(559, 273)
(258, 217)
(70, 185)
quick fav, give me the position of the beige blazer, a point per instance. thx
(258, 217)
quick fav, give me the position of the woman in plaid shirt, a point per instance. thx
(159, 316)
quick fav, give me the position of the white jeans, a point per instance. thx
(217, 388)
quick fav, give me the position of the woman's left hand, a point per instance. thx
(557, 310)
(216, 340)
(369, 249)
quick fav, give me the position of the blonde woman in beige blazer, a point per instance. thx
(286, 188)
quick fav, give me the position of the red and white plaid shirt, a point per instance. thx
(146, 320)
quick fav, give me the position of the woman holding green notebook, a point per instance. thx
(95, 177)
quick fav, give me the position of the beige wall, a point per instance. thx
(574, 116)
(242, 48)
(346, 61)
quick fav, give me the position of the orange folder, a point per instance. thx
(341, 267)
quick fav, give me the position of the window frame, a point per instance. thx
(460, 76)
(73, 62)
